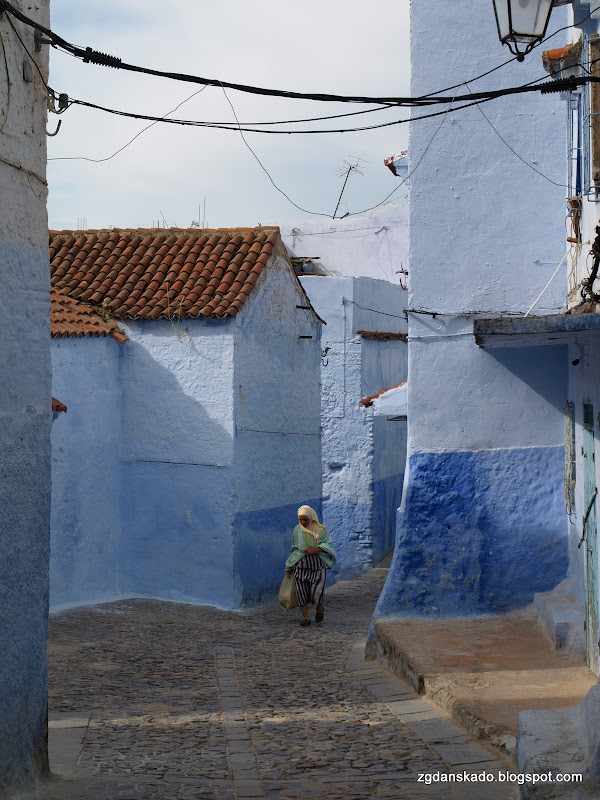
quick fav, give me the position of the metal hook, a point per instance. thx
(57, 129)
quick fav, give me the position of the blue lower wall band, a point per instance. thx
(481, 532)
(262, 542)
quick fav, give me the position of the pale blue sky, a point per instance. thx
(316, 46)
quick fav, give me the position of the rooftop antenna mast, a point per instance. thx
(347, 171)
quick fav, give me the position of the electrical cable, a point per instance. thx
(8, 84)
(374, 310)
(435, 134)
(264, 169)
(413, 170)
(35, 64)
(89, 55)
(554, 274)
(21, 168)
(512, 150)
(313, 119)
(341, 230)
(534, 85)
(232, 127)
(120, 150)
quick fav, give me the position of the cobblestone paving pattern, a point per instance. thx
(186, 702)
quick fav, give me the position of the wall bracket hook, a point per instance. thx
(57, 129)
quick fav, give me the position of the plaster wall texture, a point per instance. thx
(393, 403)
(482, 524)
(584, 387)
(25, 411)
(564, 741)
(374, 245)
(579, 261)
(391, 424)
(85, 525)
(177, 388)
(389, 461)
(26, 418)
(354, 480)
(208, 437)
(277, 442)
(486, 232)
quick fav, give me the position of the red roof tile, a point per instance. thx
(70, 317)
(368, 401)
(554, 61)
(163, 273)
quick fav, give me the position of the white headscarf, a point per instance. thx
(315, 528)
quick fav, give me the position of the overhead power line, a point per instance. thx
(242, 127)
(89, 55)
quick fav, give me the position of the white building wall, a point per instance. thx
(355, 468)
(177, 388)
(486, 430)
(25, 409)
(373, 245)
(277, 440)
(85, 527)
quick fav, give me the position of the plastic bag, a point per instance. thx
(287, 592)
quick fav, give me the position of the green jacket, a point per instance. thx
(299, 546)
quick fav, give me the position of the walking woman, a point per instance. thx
(312, 555)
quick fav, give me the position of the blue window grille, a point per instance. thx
(574, 144)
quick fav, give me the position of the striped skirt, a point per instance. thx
(309, 580)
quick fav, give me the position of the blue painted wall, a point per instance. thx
(85, 526)
(584, 385)
(483, 527)
(482, 524)
(177, 385)
(178, 474)
(25, 414)
(25, 409)
(384, 363)
(277, 430)
(176, 541)
(389, 460)
(481, 532)
(356, 479)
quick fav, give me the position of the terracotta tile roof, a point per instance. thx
(163, 273)
(382, 337)
(70, 317)
(561, 58)
(368, 401)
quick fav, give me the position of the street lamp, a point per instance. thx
(522, 23)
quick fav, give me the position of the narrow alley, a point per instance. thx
(150, 699)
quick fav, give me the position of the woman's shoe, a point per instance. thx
(319, 616)
(304, 623)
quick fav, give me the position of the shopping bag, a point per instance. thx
(287, 592)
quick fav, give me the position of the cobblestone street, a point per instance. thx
(159, 700)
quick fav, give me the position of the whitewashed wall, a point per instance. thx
(482, 525)
(358, 476)
(373, 245)
(177, 386)
(85, 526)
(277, 440)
